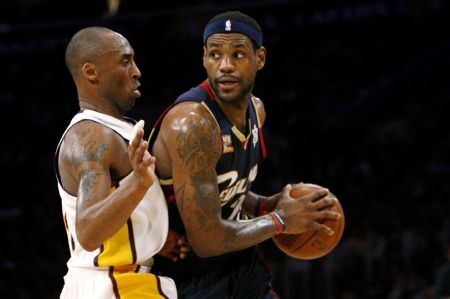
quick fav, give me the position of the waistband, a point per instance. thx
(75, 273)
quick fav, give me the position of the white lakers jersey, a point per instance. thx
(139, 239)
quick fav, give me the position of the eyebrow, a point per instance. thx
(214, 45)
(238, 44)
(126, 55)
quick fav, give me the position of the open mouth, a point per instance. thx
(227, 82)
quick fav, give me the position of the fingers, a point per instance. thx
(141, 155)
(324, 228)
(177, 246)
(324, 202)
(286, 191)
(183, 241)
(314, 186)
(180, 252)
(137, 137)
(138, 151)
(297, 185)
(316, 195)
(135, 144)
(137, 147)
(327, 214)
(184, 247)
(136, 129)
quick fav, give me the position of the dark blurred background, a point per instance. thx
(357, 99)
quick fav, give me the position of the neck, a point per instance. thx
(236, 112)
(85, 103)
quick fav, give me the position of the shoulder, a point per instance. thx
(188, 123)
(188, 115)
(89, 129)
(260, 109)
(90, 137)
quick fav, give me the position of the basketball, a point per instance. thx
(311, 244)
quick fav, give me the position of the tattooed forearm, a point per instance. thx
(263, 224)
(90, 153)
(87, 183)
(184, 204)
(199, 149)
(198, 208)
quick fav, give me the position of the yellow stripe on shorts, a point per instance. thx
(119, 249)
(130, 285)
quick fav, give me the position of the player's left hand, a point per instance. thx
(176, 246)
(142, 161)
(272, 200)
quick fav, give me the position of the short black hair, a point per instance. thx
(239, 16)
(86, 46)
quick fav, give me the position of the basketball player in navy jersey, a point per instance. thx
(209, 147)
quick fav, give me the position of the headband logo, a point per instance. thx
(228, 25)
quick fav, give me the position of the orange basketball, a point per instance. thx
(311, 244)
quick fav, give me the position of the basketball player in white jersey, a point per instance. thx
(114, 210)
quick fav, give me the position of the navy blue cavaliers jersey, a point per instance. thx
(236, 170)
(241, 155)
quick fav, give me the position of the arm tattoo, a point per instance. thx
(90, 153)
(263, 224)
(190, 211)
(88, 176)
(87, 183)
(197, 148)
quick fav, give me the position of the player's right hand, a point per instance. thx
(306, 212)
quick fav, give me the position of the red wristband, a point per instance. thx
(260, 207)
(279, 223)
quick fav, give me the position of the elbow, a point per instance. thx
(205, 249)
(88, 246)
(204, 252)
(87, 240)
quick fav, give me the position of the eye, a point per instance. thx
(214, 55)
(239, 55)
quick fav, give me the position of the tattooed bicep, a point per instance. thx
(92, 167)
(198, 145)
(87, 183)
(89, 151)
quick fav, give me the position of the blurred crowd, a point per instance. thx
(357, 99)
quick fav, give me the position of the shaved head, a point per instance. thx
(88, 45)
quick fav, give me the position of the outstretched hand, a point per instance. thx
(142, 161)
(308, 211)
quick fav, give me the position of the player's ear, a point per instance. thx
(260, 58)
(89, 71)
(204, 55)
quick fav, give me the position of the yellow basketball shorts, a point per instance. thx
(113, 284)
